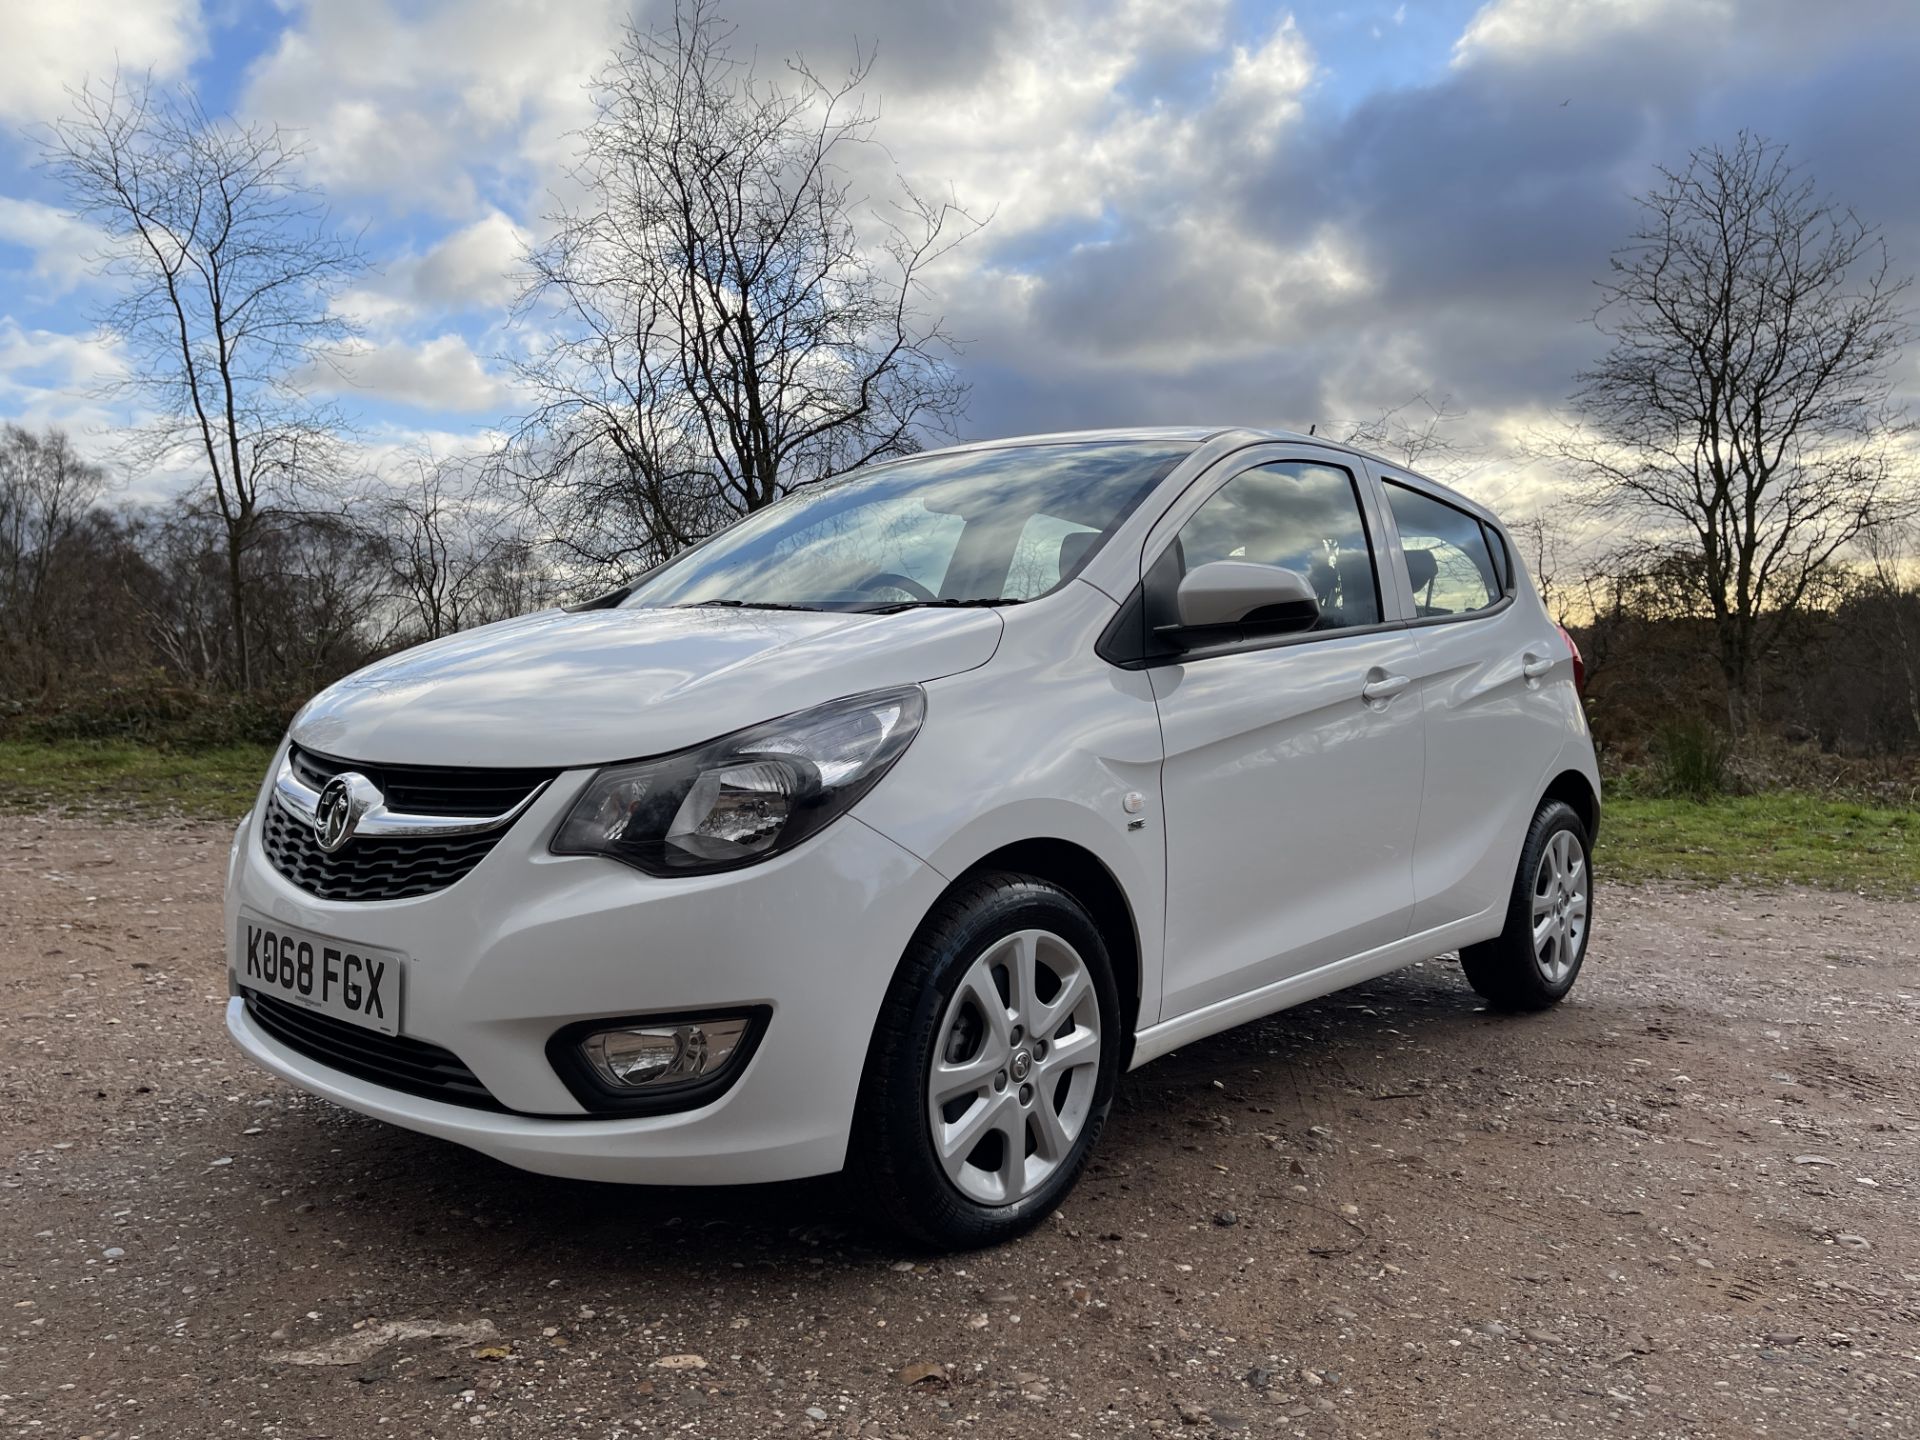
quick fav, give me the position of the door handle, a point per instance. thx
(1534, 666)
(1383, 688)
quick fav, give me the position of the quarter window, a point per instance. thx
(1449, 559)
(1302, 516)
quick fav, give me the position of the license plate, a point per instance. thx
(342, 978)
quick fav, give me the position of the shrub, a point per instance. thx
(151, 710)
(1690, 760)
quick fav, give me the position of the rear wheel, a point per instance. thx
(1536, 958)
(992, 1065)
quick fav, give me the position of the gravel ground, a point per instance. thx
(1683, 1204)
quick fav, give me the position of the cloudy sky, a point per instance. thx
(1203, 210)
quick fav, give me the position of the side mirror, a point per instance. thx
(1239, 596)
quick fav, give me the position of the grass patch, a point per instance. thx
(1779, 838)
(109, 778)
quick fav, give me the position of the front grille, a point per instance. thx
(398, 868)
(398, 1062)
(428, 789)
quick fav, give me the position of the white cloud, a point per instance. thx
(53, 45)
(1050, 130)
(51, 378)
(428, 105)
(50, 359)
(474, 268)
(1520, 29)
(1148, 265)
(1715, 35)
(458, 107)
(439, 374)
(1260, 91)
(63, 248)
(392, 452)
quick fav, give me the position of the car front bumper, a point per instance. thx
(529, 942)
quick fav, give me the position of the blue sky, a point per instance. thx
(1204, 210)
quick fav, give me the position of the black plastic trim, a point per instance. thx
(563, 1054)
(404, 1063)
(1109, 646)
(609, 601)
(1278, 642)
(1421, 622)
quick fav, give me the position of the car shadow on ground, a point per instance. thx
(1285, 1074)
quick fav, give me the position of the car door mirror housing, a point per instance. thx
(1224, 598)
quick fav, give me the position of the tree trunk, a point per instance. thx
(1736, 668)
(237, 608)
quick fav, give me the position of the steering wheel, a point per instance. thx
(890, 580)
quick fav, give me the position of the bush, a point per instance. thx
(151, 710)
(1690, 760)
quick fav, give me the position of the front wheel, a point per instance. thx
(992, 1065)
(1533, 962)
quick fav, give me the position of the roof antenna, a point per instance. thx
(1311, 428)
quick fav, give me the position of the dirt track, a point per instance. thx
(1687, 1203)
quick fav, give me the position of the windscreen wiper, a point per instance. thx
(744, 605)
(987, 600)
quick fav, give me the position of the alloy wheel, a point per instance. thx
(1560, 906)
(1015, 1064)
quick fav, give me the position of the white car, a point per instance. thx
(886, 828)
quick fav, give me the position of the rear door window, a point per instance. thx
(1449, 558)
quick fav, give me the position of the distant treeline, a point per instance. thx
(114, 622)
(117, 619)
(1843, 676)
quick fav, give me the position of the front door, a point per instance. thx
(1292, 781)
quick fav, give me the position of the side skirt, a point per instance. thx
(1157, 1040)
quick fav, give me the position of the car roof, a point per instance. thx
(1201, 434)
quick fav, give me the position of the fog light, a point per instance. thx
(652, 1057)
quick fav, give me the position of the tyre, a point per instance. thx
(1536, 958)
(992, 1065)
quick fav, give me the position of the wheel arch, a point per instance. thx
(1576, 791)
(1086, 877)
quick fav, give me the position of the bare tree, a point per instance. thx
(222, 263)
(1743, 412)
(1417, 433)
(1539, 537)
(732, 317)
(454, 560)
(46, 494)
(179, 591)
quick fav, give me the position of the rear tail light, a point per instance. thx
(1579, 665)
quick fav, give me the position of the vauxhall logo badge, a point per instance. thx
(343, 800)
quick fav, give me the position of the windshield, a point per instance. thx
(978, 527)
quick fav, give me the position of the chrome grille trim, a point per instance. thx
(420, 850)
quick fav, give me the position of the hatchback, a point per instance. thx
(885, 829)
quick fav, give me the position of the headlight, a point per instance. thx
(746, 796)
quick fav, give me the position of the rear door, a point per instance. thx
(1292, 780)
(1481, 659)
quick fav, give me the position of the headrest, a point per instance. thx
(1073, 549)
(1421, 568)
